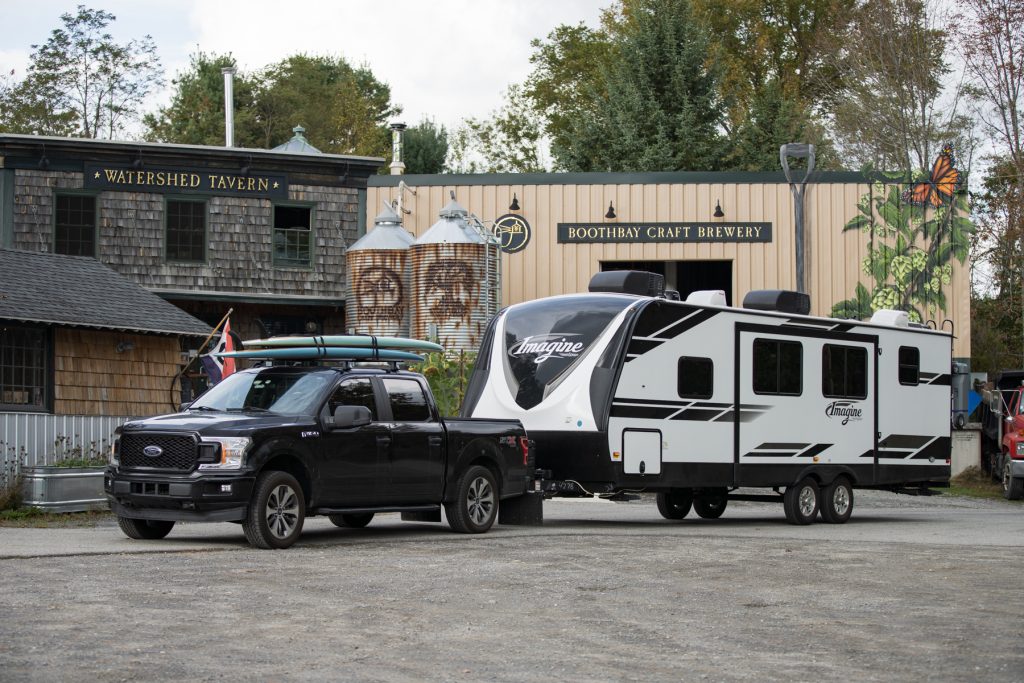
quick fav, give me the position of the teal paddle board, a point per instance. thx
(324, 352)
(347, 340)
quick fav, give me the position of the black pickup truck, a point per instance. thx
(269, 446)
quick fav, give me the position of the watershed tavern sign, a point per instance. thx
(590, 233)
(187, 181)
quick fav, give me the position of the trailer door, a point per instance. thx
(805, 398)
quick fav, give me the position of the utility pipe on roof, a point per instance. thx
(798, 150)
(229, 105)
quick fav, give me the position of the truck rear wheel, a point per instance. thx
(355, 521)
(276, 511)
(476, 502)
(144, 529)
(1013, 488)
(675, 504)
(801, 501)
(837, 501)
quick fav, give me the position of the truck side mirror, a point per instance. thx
(184, 406)
(351, 416)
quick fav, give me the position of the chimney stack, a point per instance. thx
(229, 105)
(397, 165)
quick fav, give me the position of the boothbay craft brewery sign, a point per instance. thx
(187, 181)
(590, 233)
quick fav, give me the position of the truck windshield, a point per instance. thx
(285, 393)
(545, 339)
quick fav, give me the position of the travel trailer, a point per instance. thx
(625, 390)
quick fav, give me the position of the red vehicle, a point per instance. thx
(1002, 431)
(1011, 462)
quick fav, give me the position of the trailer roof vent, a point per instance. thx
(638, 282)
(781, 300)
(707, 297)
(891, 318)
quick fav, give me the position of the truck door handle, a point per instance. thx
(434, 441)
(383, 440)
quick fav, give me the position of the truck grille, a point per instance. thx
(178, 452)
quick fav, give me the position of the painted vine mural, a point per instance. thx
(914, 235)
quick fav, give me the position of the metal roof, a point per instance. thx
(452, 228)
(78, 291)
(298, 144)
(387, 234)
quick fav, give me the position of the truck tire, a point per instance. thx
(801, 502)
(476, 502)
(354, 521)
(144, 529)
(675, 504)
(710, 507)
(1013, 487)
(276, 511)
(837, 501)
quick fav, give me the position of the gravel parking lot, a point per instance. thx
(909, 589)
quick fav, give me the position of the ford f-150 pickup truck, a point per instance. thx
(269, 446)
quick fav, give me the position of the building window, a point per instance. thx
(186, 230)
(24, 368)
(74, 230)
(910, 365)
(778, 367)
(292, 236)
(844, 372)
(696, 377)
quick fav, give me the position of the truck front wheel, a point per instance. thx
(1013, 488)
(144, 529)
(276, 511)
(476, 503)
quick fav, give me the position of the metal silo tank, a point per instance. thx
(377, 267)
(451, 299)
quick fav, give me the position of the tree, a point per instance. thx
(425, 148)
(195, 115)
(507, 142)
(656, 106)
(81, 82)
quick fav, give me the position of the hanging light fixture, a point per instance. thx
(514, 206)
(611, 211)
(718, 210)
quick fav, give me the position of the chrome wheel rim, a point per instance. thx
(480, 500)
(1006, 477)
(282, 511)
(841, 500)
(806, 501)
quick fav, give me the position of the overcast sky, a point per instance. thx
(444, 59)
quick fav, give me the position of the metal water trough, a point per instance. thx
(63, 489)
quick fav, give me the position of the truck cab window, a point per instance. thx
(408, 403)
(910, 365)
(354, 392)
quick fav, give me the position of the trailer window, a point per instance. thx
(778, 367)
(910, 365)
(696, 377)
(408, 403)
(844, 371)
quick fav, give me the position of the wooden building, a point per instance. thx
(730, 231)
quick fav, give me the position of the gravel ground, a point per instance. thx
(910, 588)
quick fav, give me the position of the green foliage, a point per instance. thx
(448, 377)
(425, 148)
(67, 453)
(507, 142)
(80, 82)
(910, 253)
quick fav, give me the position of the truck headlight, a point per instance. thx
(1020, 448)
(232, 452)
(114, 458)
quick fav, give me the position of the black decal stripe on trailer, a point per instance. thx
(939, 449)
(926, 377)
(941, 381)
(643, 412)
(697, 414)
(769, 454)
(639, 344)
(816, 449)
(652, 402)
(904, 441)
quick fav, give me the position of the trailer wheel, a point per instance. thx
(711, 507)
(353, 521)
(837, 501)
(276, 511)
(801, 502)
(1013, 488)
(476, 502)
(144, 529)
(675, 504)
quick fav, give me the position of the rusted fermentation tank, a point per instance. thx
(455, 280)
(378, 278)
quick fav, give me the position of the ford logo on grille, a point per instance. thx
(152, 451)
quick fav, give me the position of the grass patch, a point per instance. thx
(35, 518)
(974, 483)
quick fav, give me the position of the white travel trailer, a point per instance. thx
(625, 390)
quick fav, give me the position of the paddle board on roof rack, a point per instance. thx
(324, 352)
(346, 340)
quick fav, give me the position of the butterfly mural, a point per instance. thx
(941, 184)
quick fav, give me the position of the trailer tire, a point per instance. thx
(476, 502)
(801, 501)
(675, 504)
(1013, 487)
(144, 529)
(351, 521)
(710, 507)
(837, 501)
(276, 511)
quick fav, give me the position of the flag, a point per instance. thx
(219, 368)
